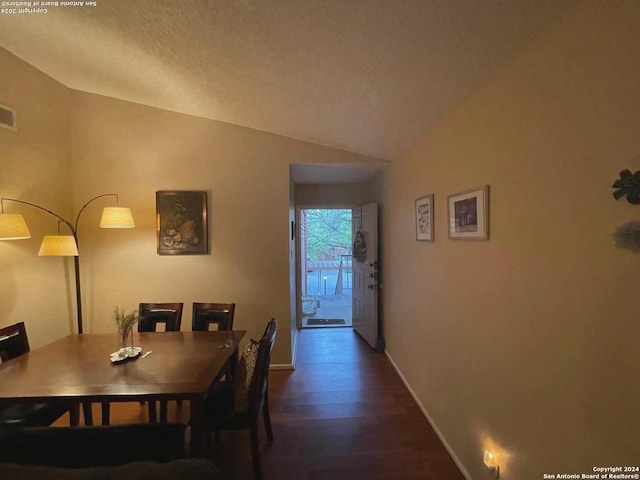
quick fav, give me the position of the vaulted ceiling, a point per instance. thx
(366, 76)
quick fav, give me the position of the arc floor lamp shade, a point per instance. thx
(58, 246)
(117, 217)
(13, 227)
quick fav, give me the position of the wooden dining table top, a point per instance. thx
(182, 365)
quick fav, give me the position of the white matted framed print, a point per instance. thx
(469, 214)
(424, 218)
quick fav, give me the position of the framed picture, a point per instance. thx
(424, 218)
(181, 223)
(469, 214)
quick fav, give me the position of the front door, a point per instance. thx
(365, 273)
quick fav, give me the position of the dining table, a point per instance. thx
(79, 367)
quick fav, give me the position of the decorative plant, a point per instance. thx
(628, 184)
(125, 322)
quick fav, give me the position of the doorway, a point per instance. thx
(326, 279)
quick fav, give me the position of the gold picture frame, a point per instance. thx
(181, 222)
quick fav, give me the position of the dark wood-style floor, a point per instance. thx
(343, 414)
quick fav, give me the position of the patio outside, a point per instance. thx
(326, 267)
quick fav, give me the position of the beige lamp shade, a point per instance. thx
(58, 246)
(13, 227)
(117, 217)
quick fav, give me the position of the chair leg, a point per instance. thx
(88, 413)
(106, 413)
(153, 415)
(74, 415)
(267, 417)
(255, 452)
(163, 411)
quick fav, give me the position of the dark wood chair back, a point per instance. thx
(222, 412)
(151, 314)
(207, 314)
(260, 380)
(13, 341)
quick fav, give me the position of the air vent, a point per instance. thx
(8, 118)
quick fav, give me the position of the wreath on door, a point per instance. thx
(359, 247)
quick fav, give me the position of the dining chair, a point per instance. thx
(149, 316)
(206, 316)
(13, 343)
(152, 314)
(237, 404)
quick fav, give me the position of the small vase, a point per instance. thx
(125, 338)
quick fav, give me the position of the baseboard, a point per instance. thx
(430, 420)
(294, 348)
(281, 366)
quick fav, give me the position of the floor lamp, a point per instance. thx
(13, 227)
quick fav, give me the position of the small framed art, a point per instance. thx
(469, 214)
(424, 218)
(181, 223)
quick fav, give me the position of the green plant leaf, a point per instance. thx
(624, 174)
(633, 197)
(628, 184)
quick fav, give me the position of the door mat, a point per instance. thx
(326, 321)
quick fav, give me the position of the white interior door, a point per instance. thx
(365, 272)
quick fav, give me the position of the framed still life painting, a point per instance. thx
(181, 222)
(469, 214)
(424, 218)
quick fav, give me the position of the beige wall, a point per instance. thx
(35, 163)
(529, 341)
(337, 194)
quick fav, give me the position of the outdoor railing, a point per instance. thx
(332, 276)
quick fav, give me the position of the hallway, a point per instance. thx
(344, 414)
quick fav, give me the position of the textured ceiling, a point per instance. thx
(366, 76)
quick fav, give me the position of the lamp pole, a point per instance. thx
(74, 231)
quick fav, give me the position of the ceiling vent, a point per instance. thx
(8, 118)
